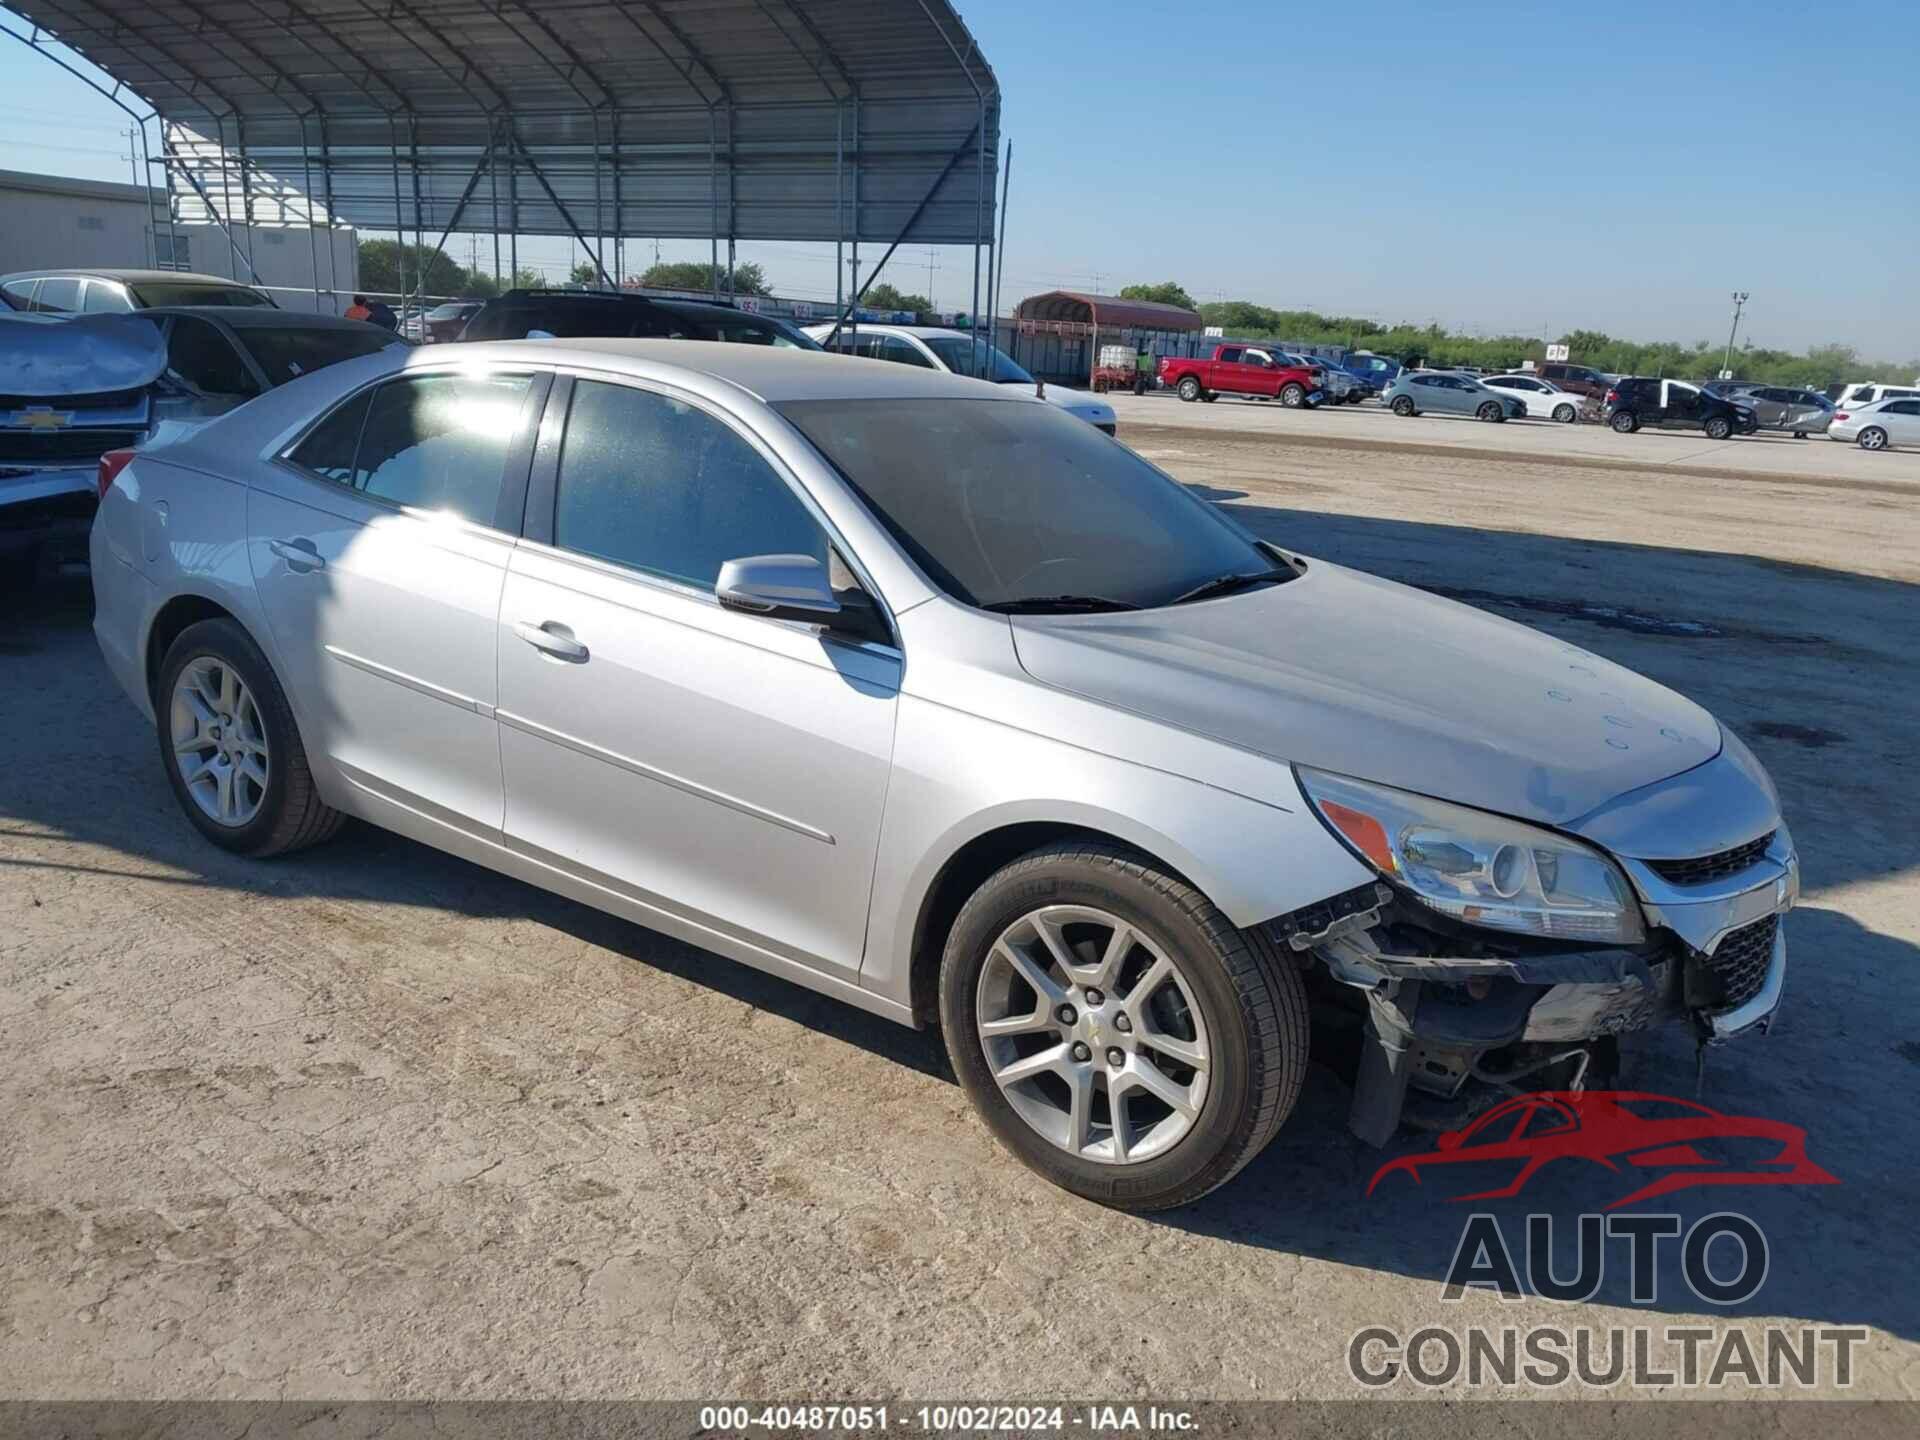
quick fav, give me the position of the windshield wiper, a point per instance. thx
(1041, 604)
(1226, 584)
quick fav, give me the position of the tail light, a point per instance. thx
(1841, 415)
(1613, 397)
(111, 464)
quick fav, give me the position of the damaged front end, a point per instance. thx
(1457, 1012)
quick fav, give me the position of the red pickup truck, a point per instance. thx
(1242, 370)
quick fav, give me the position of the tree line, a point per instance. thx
(1820, 365)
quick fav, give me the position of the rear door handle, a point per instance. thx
(551, 638)
(300, 553)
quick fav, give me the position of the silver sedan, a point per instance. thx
(925, 695)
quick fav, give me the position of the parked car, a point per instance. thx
(1872, 392)
(570, 314)
(955, 352)
(1637, 401)
(1366, 381)
(1243, 370)
(739, 327)
(1336, 385)
(1542, 398)
(1882, 425)
(1379, 371)
(1779, 407)
(1577, 379)
(445, 322)
(75, 389)
(1446, 392)
(917, 693)
(108, 292)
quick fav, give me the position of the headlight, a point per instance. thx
(1478, 868)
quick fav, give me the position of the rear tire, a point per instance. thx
(1565, 414)
(286, 812)
(1625, 422)
(1190, 389)
(1873, 438)
(1233, 1001)
(1402, 405)
(1293, 395)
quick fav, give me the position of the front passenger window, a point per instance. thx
(663, 487)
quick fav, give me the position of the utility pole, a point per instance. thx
(931, 267)
(1726, 362)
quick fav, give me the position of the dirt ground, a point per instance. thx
(373, 1122)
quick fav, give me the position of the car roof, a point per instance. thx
(919, 332)
(768, 373)
(130, 277)
(256, 317)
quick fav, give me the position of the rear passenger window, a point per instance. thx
(202, 356)
(104, 299)
(440, 442)
(658, 485)
(58, 293)
(329, 447)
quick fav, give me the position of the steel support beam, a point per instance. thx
(560, 205)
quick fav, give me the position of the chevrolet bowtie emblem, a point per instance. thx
(43, 417)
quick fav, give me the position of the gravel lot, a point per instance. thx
(373, 1122)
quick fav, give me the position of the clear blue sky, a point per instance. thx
(1521, 166)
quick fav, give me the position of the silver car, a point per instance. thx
(928, 696)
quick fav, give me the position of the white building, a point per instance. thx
(50, 221)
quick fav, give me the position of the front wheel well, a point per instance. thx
(174, 617)
(965, 871)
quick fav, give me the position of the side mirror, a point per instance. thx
(781, 587)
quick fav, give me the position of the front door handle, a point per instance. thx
(551, 638)
(300, 553)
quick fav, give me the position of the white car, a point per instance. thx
(958, 353)
(1543, 399)
(1856, 397)
(1879, 426)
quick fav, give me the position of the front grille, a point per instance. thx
(1703, 868)
(52, 447)
(1742, 961)
(90, 400)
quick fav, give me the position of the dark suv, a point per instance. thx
(1579, 379)
(1636, 400)
(570, 315)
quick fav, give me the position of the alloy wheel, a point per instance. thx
(219, 741)
(1092, 1033)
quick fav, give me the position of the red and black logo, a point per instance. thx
(1654, 1144)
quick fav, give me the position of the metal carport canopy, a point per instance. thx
(744, 119)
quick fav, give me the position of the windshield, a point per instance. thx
(738, 329)
(959, 354)
(1001, 501)
(290, 353)
(165, 292)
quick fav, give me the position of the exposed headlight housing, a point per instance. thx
(1477, 868)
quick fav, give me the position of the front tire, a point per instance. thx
(1293, 395)
(1190, 389)
(1625, 422)
(1402, 406)
(230, 747)
(1718, 428)
(1117, 1032)
(1565, 414)
(1491, 412)
(1873, 438)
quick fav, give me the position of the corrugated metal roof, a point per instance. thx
(672, 118)
(1082, 307)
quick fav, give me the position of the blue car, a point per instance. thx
(1379, 371)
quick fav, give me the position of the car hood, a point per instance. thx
(1346, 672)
(1074, 402)
(81, 356)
